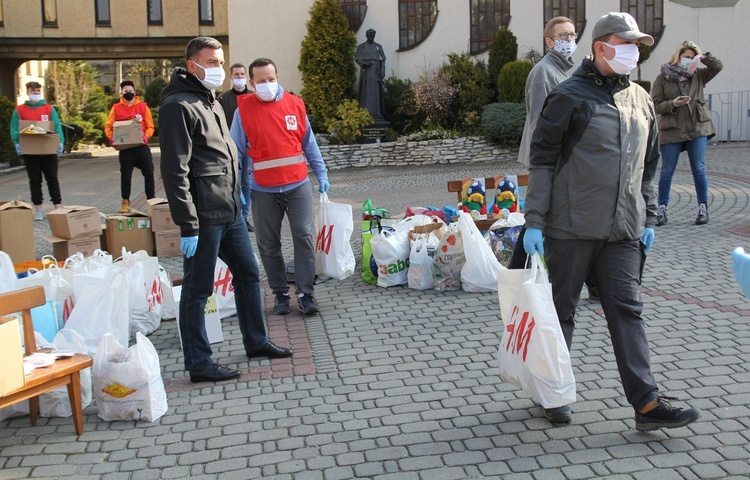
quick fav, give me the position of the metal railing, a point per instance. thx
(731, 115)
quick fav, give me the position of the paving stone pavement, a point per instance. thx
(397, 384)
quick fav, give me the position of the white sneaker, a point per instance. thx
(39, 215)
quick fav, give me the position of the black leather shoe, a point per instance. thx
(558, 414)
(271, 350)
(213, 373)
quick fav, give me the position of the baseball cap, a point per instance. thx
(125, 83)
(621, 24)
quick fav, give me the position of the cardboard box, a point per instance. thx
(33, 142)
(129, 230)
(11, 357)
(103, 238)
(161, 218)
(213, 318)
(127, 134)
(167, 243)
(17, 231)
(74, 221)
(63, 248)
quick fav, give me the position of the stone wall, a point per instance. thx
(426, 152)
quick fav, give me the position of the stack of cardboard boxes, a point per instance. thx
(74, 229)
(166, 233)
(17, 231)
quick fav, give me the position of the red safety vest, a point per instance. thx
(126, 112)
(41, 113)
(275, 131)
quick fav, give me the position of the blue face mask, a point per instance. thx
(685, 62)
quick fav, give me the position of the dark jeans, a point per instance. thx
(231, 242)
(518, 259)
(140, 158)
(36, 166)
(618, 267)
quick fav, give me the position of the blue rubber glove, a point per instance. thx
(532, 241)
(19, 152)
(741, 266)
(60, 150)
(188, 245)
(648, 238)
(323, 188)
(242, 199)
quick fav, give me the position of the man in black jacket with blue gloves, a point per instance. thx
(593, 159)
(200, 173)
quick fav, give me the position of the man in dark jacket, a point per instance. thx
(593, 160)
(200, 173)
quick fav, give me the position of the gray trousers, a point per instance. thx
(268, 212)
(618, 267)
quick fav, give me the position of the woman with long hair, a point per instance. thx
(685, 121)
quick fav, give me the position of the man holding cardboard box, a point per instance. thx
(36, 132)
(128, 128)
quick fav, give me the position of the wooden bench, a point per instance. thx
(65, 371)
(490, 183)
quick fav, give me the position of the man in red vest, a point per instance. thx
(271, 129)
(36, 109)
(130, 107)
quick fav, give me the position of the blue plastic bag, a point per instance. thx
(47, 319)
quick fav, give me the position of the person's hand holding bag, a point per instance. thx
(188, 245)
(324, 186)
(533, 242)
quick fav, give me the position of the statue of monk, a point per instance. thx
(371, 61)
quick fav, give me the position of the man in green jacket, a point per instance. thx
(594, 154)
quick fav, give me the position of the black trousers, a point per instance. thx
(36, 166)
(518, 259)
(618, 267)
(140, 158)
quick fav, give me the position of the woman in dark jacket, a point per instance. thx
(685, 121)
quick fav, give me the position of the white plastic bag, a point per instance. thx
(56, 286)
(334, 257)
(449, 259)
(7, 273)
(127, 381)
(144, 291)
(102, 307)
(479, 273)
(169, 307)
(391, 253)
(533, 354)
(420, 262)
(224, 290)
(56, 403)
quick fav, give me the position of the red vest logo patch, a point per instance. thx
(45, 118)
(291, 122)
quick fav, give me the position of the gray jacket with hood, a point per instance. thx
(198, 157)
(594, 155)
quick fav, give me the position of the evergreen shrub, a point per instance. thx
(511, 83)
(502, 123)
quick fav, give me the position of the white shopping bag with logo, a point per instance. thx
(391, 253)
(127, 381)
(533, 354)
(334, 257)
(224, 290)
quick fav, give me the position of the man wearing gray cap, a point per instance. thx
(593, 159)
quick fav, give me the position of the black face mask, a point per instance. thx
(128, 96)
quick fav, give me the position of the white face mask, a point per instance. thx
(625, 59)
(685, 62)
(34, 97)
(267, 91)
(565, 48)
(239, 82)
(214, 77)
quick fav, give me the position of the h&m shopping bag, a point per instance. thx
(533, 354)
(334, 257)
